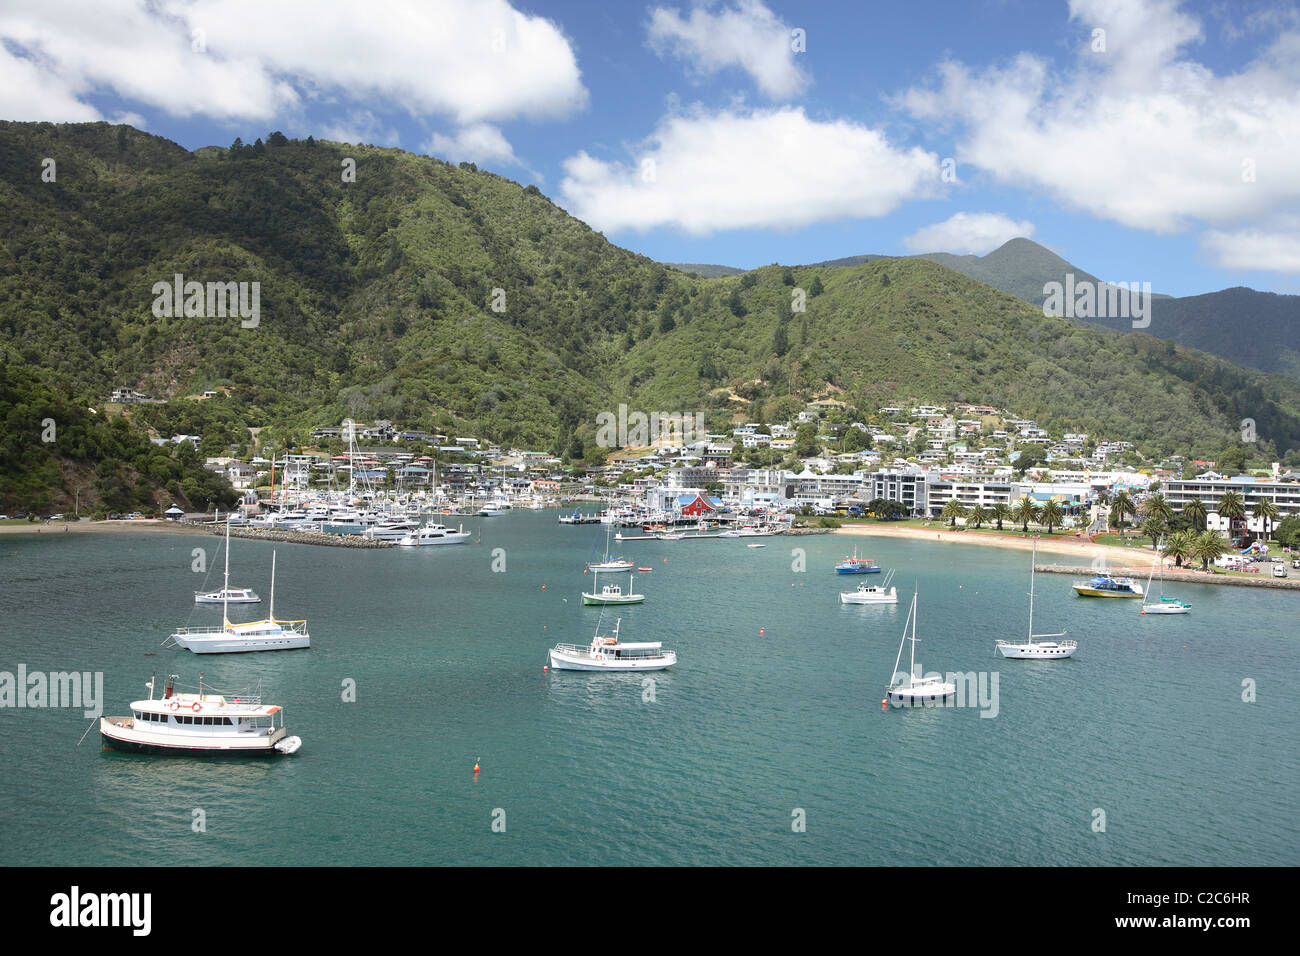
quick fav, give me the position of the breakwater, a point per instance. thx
(303, 537)
(1192, 577)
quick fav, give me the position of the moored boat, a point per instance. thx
(199, 725)
(605, 653)
(1107, 586)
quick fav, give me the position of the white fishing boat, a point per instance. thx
(267, 635)
(613, 594)
(199, 725)
(916, 691)
(1030, 649)
(729, 534)
(605, 653)
(881, 593)
(1165, 605)
(434, 534)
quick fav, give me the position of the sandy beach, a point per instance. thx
(145, 525)
(1066, 543)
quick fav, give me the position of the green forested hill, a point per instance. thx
(377, 301)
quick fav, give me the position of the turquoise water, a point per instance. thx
(1147, 723)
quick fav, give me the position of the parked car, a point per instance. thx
(1279, 570)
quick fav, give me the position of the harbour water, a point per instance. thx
(765, 745)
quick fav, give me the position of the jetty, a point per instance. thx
(1191, 577)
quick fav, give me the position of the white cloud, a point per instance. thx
(1136, 134)
(968, 233)
(477, 143)
(775, 168)
(748, 36)
(27, 92)
(360, 126)
(1256, 249)
(471, 60)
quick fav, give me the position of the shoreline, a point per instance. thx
(147, 525)
(1065, 544)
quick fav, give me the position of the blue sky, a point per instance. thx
(1165, 149)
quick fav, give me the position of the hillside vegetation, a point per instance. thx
(450, 299)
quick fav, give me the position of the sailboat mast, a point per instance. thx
(1033, 561)
(225, 581)
(911, 671)
(272, 614)
(900, 643)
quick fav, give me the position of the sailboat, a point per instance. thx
(227, 594)
(916, 691)
(267, 635)
(1166, 605)
(608, 564)
(1030, 649)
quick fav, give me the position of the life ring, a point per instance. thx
(196, 707)
(176, 705)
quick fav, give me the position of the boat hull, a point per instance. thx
(854, 597)
(593, 600)
(125, 740)
(570, 662)
(1084, 591)
(935, 695)
(1165, 609)
(1036, 652)
(227, 644)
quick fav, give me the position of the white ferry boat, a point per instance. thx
(607, 654)
(199, 725)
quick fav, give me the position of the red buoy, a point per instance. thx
(882, 706)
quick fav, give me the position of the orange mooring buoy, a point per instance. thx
(476, 766)
(543, 587)
(545, 668)
(882, 706)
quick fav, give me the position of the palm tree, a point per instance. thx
(978, 515)
(1207, 546)
(999, 512)
(1051, 514)
(1232, 507)
(1196, 513)
(1024, 512)
(953, 510)
(1155, 528)
(1267, 511)
(1156, 507)
(1179, 546)
(1121, 505)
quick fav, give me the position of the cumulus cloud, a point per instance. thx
(1256, 249)
(470, 60)
(707, 171)
(360, 126)
(477, 143)
(748, 36)
(1137, 133)
(968, 233)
